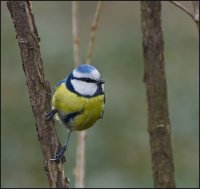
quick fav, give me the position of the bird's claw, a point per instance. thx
(59, 155)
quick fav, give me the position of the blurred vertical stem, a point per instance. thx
(93, 31)
(156, 90)
(81, 136)
(39, 89)
(79, 170)
(76, 32)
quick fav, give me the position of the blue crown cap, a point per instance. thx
(85, 68)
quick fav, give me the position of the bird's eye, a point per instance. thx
(87, 79)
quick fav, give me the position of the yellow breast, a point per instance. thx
(67, 102)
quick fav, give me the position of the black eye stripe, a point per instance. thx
(88, 80)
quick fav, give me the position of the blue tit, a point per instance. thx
(78, 101)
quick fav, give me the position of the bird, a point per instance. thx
(78, 101)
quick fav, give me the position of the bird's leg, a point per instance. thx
(62, 151)
(51, 114)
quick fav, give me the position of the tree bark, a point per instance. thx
(39, 89)
(156, 91)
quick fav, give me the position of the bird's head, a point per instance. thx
(85, 80)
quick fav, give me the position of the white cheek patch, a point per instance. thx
(94, 74)
(84, 88)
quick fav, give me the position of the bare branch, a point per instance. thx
(196, 12)
(39, 89)
(182, 8)
(156, 91)
(79, 170)
(76, 32)
(93, 30)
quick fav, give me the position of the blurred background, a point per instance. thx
(118, 153)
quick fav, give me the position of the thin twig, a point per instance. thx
(81, 136)
(76, 32)
(93, 31)
(80, 160)
(182, 8)
(196, 12)
(194, 15)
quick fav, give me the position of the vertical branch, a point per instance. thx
(81, 136)
(39, 89)
(93, 31)
(80, 160)
(156, 90)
